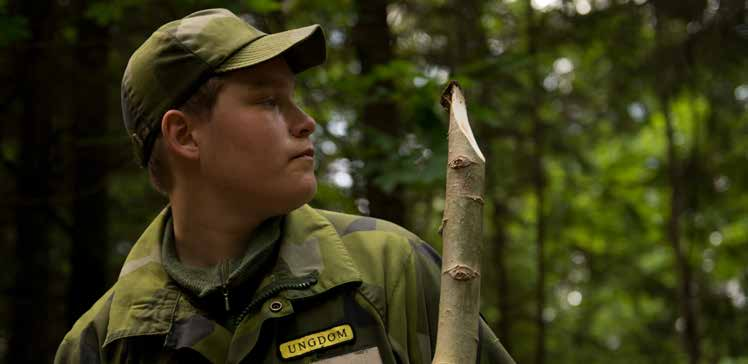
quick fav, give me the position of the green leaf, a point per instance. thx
(263, 6)
(12, 29)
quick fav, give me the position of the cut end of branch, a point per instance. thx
(462, 273)
(446, 99)
(458, 113)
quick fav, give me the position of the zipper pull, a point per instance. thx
(224, 278)
(226, 298)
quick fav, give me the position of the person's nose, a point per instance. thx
(302, 125)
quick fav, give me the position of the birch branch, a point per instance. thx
(462, 229)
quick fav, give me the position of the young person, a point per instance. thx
(238, 269)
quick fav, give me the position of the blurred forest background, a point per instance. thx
(615, 131)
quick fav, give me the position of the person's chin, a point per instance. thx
(310, 188)
(303, 192)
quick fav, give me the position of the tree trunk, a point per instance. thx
(670, 63)
(540, 231)
(468, 42)
(88, 278)
(686, 296)
(373, 43)
(462, 229)
(30, 340)
(500, 242)
(538, 176)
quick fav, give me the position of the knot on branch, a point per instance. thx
(475, 198)
(441, 226)
(460, 161)
(462, 272)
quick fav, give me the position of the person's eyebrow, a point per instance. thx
(269, 82)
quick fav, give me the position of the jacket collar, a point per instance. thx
(146, 301)
(311, 245)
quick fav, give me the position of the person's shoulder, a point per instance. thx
(88, 333)
(97, 315)
(375, 240)
(367, 229)
(366, 226)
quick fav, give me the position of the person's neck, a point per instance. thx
(207, 232)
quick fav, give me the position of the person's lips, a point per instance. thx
(306, 153)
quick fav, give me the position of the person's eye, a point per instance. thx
(269, 102)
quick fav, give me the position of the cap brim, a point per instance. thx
(303, 48)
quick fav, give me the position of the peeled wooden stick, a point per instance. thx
(462, 230)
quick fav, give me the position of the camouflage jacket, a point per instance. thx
(345, 289)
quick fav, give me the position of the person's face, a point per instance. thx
(255, 149)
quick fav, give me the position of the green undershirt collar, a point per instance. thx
(202, 282)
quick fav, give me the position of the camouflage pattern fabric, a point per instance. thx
(344, 289)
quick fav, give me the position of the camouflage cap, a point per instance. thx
(181, 55)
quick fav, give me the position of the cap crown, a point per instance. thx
(172, 63)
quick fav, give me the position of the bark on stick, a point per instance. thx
(462, 230)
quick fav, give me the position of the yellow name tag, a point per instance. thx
(323, 339)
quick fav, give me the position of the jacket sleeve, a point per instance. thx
(83, 344)
(79, 347)
(428, 266)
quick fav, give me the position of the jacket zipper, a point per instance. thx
(223, 275)
(272, 290)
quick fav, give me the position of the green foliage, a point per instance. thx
(601, 82)
(110, 12)
(13, 28)
(263, 6)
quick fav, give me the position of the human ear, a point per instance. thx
(177, 133)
